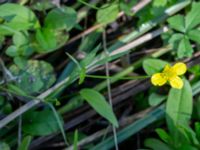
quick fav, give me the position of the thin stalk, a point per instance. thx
(109, 87)
(59, 122)
(19, 129)
(123, 78)
(89, 5)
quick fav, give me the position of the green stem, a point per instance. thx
(124, 78)
(58, 121)
(88, 4)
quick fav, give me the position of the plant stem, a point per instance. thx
(109, 87)
(122, 78)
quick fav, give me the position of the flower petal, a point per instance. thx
(176, 82)
(158, 80)
(180, 68)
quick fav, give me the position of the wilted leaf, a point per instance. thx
(36, 76)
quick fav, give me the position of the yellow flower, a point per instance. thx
(171, 75)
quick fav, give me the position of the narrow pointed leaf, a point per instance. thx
(98, 102)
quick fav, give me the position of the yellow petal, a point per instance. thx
(158, 80)
(176, 82)
(180, 68)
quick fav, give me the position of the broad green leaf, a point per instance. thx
(156, 144)
(107, 14)
(98, 102)
(193, 18)
(179, 106)
(36, 76)
(177, 22)
(40, 123)
(20, 38)
(152, 66)
(46, 39)
(17, 18)
(4, 146)
(163, 135)
(175, 39)
(61, 18)
(24, 50)
(185, 48)
(20, 62)
(156, 99)
(25, 143)
(194, 35)
(12, 51)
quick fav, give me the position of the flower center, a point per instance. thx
(169, 73)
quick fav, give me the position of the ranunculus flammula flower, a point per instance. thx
(170, 74)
